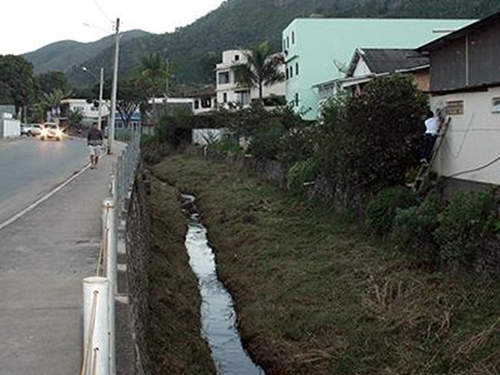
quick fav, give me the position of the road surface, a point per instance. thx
(29, 168)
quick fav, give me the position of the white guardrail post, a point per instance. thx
(109, 213)
(95, 326)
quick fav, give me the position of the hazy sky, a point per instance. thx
(27, 25)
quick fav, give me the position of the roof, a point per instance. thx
(460, 33)
(388, 60)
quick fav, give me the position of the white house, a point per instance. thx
(89, 109)
(227, 89)
(465, 87)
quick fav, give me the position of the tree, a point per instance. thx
(261, 68)
(52, 80)
(153, 74)
(18, 84)
(51, 102)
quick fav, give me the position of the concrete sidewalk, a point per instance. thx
(44, 257)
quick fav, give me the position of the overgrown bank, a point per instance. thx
(174, 328)
(314, 296)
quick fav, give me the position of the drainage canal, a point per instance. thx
(218, 317)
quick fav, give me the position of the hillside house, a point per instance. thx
(465, 86)
(204, 101)
(316, 48)
(368, 63)
(229, 92)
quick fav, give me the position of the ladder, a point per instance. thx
(425, 168)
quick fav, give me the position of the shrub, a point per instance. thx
(381, 210)
(467, 224)
(301, 172)
(414, 227)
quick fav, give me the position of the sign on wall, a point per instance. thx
(454, 107)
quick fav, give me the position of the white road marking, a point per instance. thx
(42, 199)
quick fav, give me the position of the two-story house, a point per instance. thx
(314, 48)
(229, 92)
(89, 110)
(465, 87)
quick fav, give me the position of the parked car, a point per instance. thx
(51, 131)
(36, 130)
(26, 129)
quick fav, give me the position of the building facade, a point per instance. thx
(229, 93)
(465, 87)
(319, 50)
(89, 110)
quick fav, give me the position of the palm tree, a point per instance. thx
(52, 102)
(261, 68)
(153, 73)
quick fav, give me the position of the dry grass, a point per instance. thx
(315, 296)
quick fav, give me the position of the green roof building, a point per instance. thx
(317, 50)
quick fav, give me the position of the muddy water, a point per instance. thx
(217, 312)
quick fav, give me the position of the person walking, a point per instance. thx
(94, 142)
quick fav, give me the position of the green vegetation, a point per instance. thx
(261, 68)
(315, 296)
(174, 327)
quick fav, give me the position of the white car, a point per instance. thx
(51, 131)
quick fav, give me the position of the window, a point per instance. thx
(243, 97)
(496, 105)
(287, 42)
(224, 97)
(286, 73)
(196, 104)
(293, 37)
(206, 103)
(296, 99)
(236, 57)
(291, 72)
(296, 69)
(224, 78)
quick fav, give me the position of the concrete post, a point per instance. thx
(95, 326)
(111, 230)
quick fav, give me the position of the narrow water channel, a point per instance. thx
(218, 317)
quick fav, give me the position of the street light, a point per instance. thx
(101, 85)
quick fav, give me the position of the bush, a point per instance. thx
(467, 224)
(301, 172)
(414, 227)
(381, 211)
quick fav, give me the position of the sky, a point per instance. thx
(28, 25)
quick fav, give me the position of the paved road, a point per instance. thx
(29, 168)
(42, 268)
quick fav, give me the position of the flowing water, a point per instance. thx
(218, 317)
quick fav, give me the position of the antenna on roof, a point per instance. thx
(341, 66)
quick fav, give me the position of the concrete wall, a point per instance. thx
(472, 139)
(134, 316)
(9, 128)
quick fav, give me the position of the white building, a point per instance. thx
(89, 109)
(228, 92)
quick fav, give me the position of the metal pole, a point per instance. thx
(109, 206)
(101, 86)
(111, 127)
(95, 325)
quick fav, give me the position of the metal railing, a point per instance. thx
(100, 290)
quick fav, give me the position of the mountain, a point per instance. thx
(61, 56)
(193, 50)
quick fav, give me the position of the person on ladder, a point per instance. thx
(431, 133)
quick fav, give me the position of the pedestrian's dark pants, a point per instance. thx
(429, 141)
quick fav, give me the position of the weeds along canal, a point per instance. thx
(218, 317)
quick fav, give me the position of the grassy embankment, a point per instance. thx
(315, 296)
(174, 328)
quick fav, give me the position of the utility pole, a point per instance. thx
(111, 127)
(101, 87)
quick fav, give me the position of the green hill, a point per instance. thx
(238, 23)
